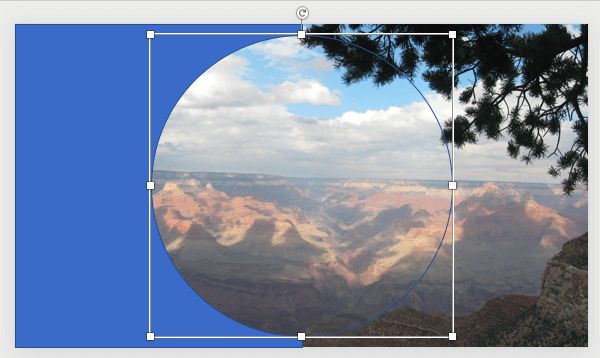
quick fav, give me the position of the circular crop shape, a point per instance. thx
(292, 202)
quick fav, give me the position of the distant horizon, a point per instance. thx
(351, 178)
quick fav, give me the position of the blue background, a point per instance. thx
(81, 171)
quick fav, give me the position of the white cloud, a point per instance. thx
(280, 49)
(287, 53)
(223, 85)
(305, 91)
(397, 142)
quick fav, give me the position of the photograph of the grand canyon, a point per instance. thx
(302, 185)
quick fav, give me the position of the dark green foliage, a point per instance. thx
(522, 85)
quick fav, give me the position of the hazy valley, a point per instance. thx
(288, 255)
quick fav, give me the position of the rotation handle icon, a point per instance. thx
(302, 13)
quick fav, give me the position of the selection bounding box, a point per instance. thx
(150, 185)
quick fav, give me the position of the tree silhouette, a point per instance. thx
(523, 85)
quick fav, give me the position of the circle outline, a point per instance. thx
(411, 288)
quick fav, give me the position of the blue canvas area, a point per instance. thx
(81, 201)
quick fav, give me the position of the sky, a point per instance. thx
(278, 108)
